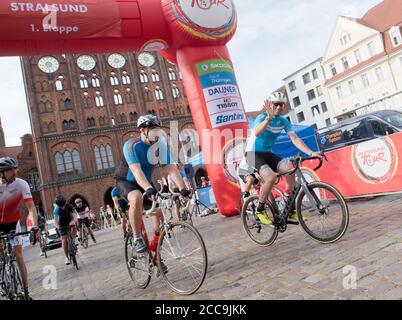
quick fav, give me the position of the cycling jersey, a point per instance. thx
(137, 151)
(82, 212)
(266, 140)
(116, 196)
(11, 196)
(63, 216)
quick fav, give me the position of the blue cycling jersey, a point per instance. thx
(116, 195)
(137, 151)
(266, 140)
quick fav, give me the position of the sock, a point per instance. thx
(261, 207)
(137, 237)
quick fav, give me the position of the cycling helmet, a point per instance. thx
(60, 200)
(7, 163)
(278, 97)
(148, 121)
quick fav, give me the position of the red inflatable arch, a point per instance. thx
(191, 33)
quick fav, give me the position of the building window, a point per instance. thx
(68, 104)
(358, 56)
(172, 75)
(319, 91)
(155, 76)
(143, 77)
(292, 86)
(33, 180)
(83, 82)
(68, 163)
(315, 74)
(311, 94)
(69, 125)
(125, 78)
(395, 34)
(114, 81)
(59, 83)
(104, 157)
(365, 80)
(333, 69)
(176, 92)
(315, 111)
(118, 100)
(95, 81)
(371, 49)
(300, 117)
(324, 107)
(345, 38)
(91, 122)
(133, 116)
(306, 78)
(99, 100)
(379, 74)
(148, 95)
(339, 92)
(345, 63)
(159, 94)
(328, 122)
(351, 85)
(296, 102)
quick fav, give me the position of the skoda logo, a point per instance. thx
(205, 67)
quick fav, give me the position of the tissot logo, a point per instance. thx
(229, 118)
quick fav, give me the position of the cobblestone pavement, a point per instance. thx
(296, 267)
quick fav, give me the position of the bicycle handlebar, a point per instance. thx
(12, 234)
(296, 161)
(163, 196)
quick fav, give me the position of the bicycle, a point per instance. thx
(314, 199)
(11, 285)
(72, 249)
(84, 240)
(179, 242)
(43, 243)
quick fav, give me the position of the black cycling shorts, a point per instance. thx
(63, 230)
(125, 187)
(8, 227)
(259, 159)
(84, 221)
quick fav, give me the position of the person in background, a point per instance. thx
(43, 229)
(110, 216)
(204, 182)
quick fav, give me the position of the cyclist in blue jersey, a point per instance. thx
(121, 205)
(134, 176)
(268, 127)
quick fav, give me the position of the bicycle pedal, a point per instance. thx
(294, 223)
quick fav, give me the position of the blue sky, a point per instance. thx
(274, 39)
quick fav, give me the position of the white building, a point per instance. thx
(308, 98)
(363, 61)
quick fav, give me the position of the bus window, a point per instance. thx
(354, 132)
(381, 129)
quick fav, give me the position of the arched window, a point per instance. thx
(65, 125)
(155, 76)
(133, 116)
(69, 125)
(90, 122)
(68, 163)
(172, 75)
(99, 99)
(77, 161)
(83, 82)
(159, 94)
(67, 104)
(59, 83)
(59, 163)
(118, 100)
(176, 92)
(148, 96)
(104, 157)
(143, 77)
(125, 79)
(95, 81)
(114, 81)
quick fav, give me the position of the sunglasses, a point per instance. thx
(279, 104)
(78, 202)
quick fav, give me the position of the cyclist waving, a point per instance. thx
(134, 176)
(268, 127)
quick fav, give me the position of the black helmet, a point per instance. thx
(7, 163)
(60, 200)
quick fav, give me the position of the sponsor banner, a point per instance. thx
(67, 19)
(218, 92)
(214, 66)
(371, 167)
(220, 120)
(219, 78)
(224, 105)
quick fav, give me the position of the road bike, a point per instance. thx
(180, 256)
(321, 210)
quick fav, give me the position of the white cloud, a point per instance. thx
(274, 38)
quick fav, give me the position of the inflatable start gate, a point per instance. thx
(191, 33)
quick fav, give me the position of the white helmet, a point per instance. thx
(148, 121)
(278, 97)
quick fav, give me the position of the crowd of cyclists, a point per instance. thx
(134, 190)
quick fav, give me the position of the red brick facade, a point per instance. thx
(86, 139)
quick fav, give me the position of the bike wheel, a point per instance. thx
(44, 246)
(328, 223)
(17, 288)
(263, 235)
(85, 241)
(72, 253)
(139, 265)
(182, 253)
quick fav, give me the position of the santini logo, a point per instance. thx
(233, 117)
